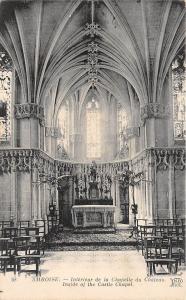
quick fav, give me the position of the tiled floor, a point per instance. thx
(92, 275)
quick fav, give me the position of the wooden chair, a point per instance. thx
(10, 232)
(146, 231)
(158, 252)
(4, 224)
(26, 253)
(41, 225)
(5, 258)
(178, 243)
(21, 243)
(22, 227)
(36, 243)
(53, 223)
(136, 230)
(27, 259)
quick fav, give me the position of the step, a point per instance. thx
(51, 245)
(124, 227)
(93, 230)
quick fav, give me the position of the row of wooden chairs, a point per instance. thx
(21, 243)
(22, 225)
(162, 242)
(166, 221)
(18, 251)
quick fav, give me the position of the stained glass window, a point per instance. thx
(179, 96)
(122, 125)
(93, 132)
(5, 95)
(63, 124)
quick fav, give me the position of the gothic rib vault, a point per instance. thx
(67, 46)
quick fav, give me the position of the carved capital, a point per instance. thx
(154, 110)
(29, 110)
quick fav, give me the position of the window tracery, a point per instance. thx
(122, 126)
(5, 95)
(63, 125)
(93, 130)
(179, 95)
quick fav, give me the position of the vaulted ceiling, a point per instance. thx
(62, 47)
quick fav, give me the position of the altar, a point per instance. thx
(93, 216)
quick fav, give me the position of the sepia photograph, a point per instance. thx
(92, 150)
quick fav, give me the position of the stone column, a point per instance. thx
(132, 133)
(30, 118)
(13, 204)
(35, 196)
(117, 201)
(51, 136)
(131, 215)
(77, 140)
(24, 196)
(109, 129)
(171, 189)
(151, 186)
(154, 118)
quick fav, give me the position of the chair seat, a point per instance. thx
(34, 256)
(161, 260)
(3, 257)
(32, 259)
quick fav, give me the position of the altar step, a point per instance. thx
(93, 230)
(123, 227)
(70, 240)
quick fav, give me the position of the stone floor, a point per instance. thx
(92, 275)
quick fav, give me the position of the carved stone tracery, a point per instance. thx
(25, 160)
(161, 159)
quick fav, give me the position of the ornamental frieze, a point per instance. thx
(161, 159)
(169, 158)
(29, 110)
(154, 110)
(25, 160)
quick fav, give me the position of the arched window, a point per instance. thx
(5, 95)
(122, 124)
(93, 129)
(63, 125)
(179, 93)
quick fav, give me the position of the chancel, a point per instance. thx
(92, 128)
